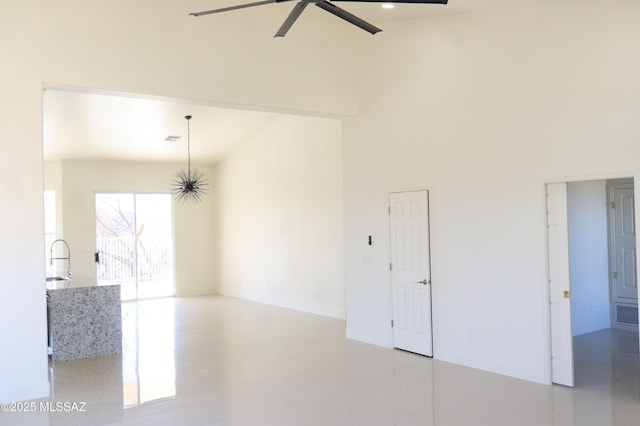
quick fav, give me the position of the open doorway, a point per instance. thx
(592, 265)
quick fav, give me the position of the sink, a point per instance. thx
(55, 283)
(58, 279)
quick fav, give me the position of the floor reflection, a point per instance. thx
(97, 382)
(224, 361)
(607, 373)
(148, 351)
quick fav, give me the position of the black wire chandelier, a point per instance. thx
(189, 185)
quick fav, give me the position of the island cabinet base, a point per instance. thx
(84, 322)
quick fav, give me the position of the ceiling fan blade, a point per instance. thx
(323, 4)
(293, 16)
(398, 1)
(341, 13)
(240, 6)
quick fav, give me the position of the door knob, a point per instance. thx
(423, 282)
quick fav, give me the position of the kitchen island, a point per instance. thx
(83, 320)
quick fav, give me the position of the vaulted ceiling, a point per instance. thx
(103, 125)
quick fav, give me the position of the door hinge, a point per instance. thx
(392, 323)
(389, 209)
(615, 275)
(613, 205)
(390, 266)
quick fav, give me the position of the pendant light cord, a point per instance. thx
(188, 117)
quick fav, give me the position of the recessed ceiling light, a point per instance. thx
(172, 138)
(388, 5)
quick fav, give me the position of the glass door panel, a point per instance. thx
(115, 242)
(134, 241)
(154, 245)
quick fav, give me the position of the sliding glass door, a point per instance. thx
(134, 244)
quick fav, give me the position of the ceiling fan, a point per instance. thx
(322, 4)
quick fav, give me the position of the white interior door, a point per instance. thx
(559, 285)
(624, 244)
(410, 271)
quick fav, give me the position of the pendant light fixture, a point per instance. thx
(189, 185)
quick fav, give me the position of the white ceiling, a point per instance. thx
(103, 126)
(98, 126)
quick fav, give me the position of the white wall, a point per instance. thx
(483, 109)
(194, 233)
(280, 217)
(23, 360)
(589, 257)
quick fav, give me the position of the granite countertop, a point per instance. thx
(62, 284)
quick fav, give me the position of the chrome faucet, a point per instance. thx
(68, 258)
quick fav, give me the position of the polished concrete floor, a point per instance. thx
(223, 361)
